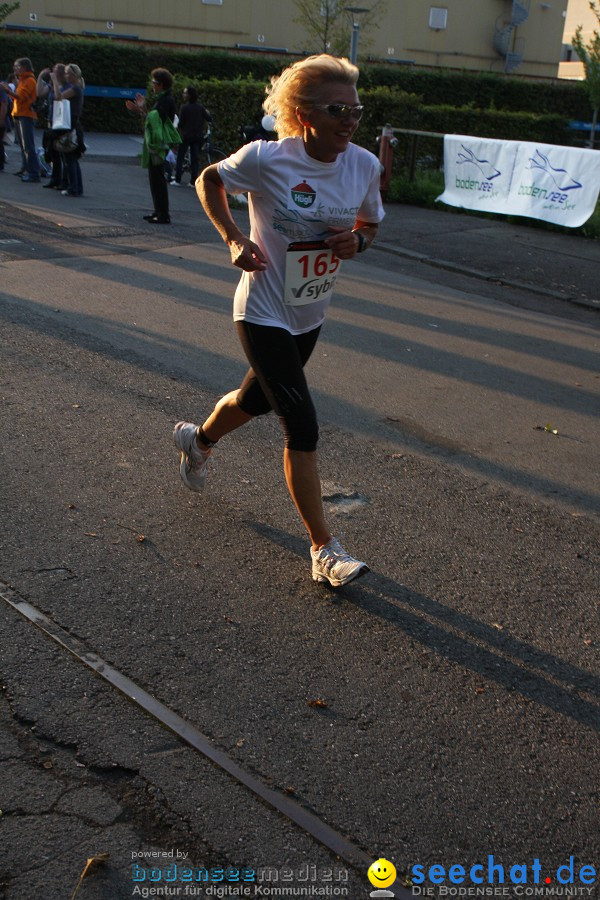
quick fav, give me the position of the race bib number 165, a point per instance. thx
(311, 269)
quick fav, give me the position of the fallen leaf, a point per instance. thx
(92, 863)
(318, 702)
(76, 406)
(240, 743)
(289, 789)
(480, 690)
(90, 534)
(587, 642)
(496, 625)
(140, 538)
(47, 764)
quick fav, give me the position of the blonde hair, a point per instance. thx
(73, 69)
(299, 86)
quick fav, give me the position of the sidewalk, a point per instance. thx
(113, 146)
(560, 266)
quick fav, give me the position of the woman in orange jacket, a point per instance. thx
(24, 117)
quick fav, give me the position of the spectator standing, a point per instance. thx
(3, 118)
(192, 120)
(24, 117)
(8, 122)
(45, 90)
(159, 134)
(73, 92)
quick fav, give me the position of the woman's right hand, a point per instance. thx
(247, 255)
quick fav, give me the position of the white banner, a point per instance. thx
(521, 178)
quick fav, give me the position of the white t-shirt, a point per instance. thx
(293, 197)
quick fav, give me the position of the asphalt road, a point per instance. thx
(440, 710)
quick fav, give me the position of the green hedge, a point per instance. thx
(547, 129)
(127, 64)
(110, 115)
(507, 126)
(235, 103)
(114, 63)
(483, 90)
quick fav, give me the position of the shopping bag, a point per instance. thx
(61, 115)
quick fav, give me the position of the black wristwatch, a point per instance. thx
(362, 242)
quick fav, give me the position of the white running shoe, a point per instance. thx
(194, 461)
(332, 564)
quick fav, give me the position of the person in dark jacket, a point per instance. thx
(72, 91)
(3, 119)
(162, 82)
(45, 91)
(192, 119)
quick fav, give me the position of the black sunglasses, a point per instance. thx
(342, 110)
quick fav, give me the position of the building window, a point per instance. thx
(438, 17)
(213, 2)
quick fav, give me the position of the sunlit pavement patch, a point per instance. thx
(340, 500)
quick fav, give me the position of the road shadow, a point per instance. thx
(153, 351)
(495, 655)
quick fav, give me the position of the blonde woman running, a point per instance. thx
(314, 201)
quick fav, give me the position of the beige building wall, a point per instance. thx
(471, 29)
(464, 36)
(578, 13)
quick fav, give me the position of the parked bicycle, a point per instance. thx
(209, 154)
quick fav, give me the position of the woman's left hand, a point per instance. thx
(343, 242)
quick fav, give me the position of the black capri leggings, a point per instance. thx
(276, 381)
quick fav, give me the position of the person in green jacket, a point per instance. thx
(159, 136)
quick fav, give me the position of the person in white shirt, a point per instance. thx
(314, 201)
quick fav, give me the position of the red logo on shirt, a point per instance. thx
(303, 195)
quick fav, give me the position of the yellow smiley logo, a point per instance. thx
(382, 873)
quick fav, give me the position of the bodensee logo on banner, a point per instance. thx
(520, 178)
